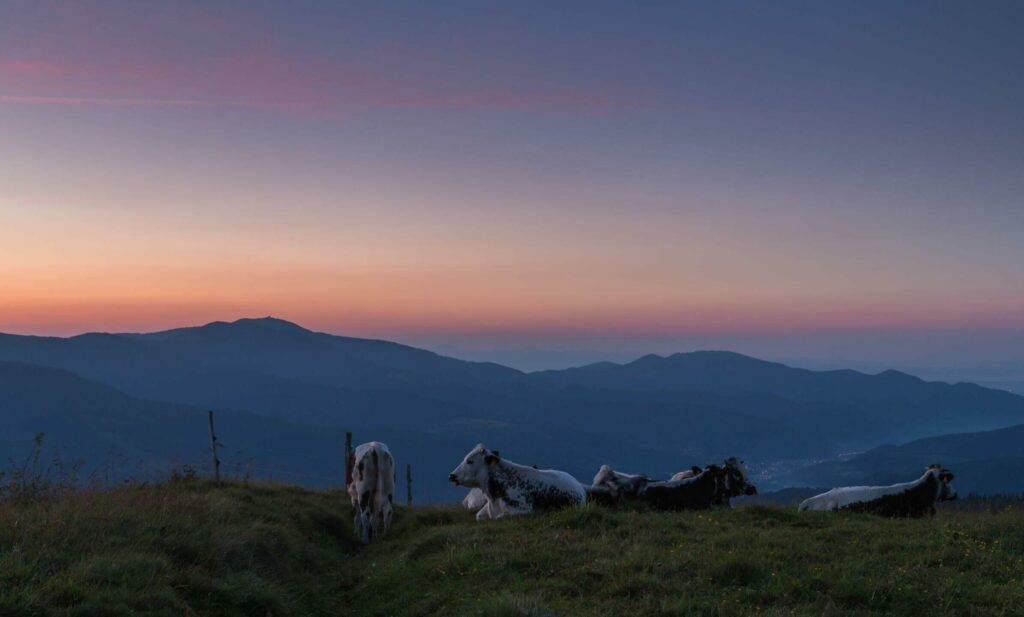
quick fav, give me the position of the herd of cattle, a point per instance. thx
(499, 487)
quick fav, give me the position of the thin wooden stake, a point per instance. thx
(408, 484)
(213, 452)
(348, 459)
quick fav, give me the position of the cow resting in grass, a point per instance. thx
(712, 487)
(372, 490)
(909, 499)
(515, 489)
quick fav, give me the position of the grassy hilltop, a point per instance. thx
(187, 549)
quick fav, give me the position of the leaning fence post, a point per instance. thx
(213, 452)
(348, 459)
(408, 484)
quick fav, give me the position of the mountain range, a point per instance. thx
(284, 396)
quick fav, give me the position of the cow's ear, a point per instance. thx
(696, 470)
(492, 457)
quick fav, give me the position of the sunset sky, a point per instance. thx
(537, 183)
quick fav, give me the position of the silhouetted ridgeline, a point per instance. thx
(285, 395)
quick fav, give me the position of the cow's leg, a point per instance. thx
(365, 527)
(484, 513)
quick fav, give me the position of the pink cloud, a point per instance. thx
(92, 56)
(16, 67)
(134, 102)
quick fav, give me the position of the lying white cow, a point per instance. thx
(372, 489)
(913, 499)
(515, 489)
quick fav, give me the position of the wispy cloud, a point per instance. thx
(138, 102)
(88, 54)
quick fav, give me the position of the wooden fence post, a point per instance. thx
(348, 459)
(408, 484)
(213, 452)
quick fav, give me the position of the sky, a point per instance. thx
(542, 184)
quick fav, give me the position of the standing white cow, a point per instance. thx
(513, 488)
(372, 489)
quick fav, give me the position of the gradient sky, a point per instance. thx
(540, 183)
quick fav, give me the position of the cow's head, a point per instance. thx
(473, 471)
(945, 478)
(736, 482)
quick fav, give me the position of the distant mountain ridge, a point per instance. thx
(655, 415)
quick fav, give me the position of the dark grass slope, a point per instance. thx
(176, 549)
(185, 549)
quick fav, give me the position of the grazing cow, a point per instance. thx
(620, 484)
(372, 489)
(712, 486)
(518, 489)
(909, 499)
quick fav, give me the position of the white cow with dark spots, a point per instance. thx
(908, 499)
(515, 489)
(372, 490)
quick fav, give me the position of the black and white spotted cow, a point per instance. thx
(372, 489)
(619, 484)
(515, 489)
(909, 499)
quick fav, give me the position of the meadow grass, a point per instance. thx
(260, 549)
